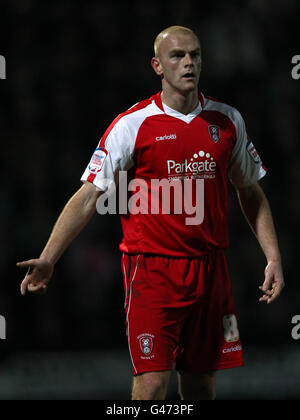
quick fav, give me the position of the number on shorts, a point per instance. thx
(231, 332)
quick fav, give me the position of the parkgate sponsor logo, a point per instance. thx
(200, 165)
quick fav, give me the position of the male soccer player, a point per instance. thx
(178, 300)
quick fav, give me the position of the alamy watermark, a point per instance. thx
(2, 328)
(184, 195)
(2, 67)
(296, 328)
(296, 68)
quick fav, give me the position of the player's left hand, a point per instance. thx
(274, 282)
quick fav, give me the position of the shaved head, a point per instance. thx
(172, 30)
(178, 62)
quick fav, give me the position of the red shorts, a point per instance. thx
(180, 313)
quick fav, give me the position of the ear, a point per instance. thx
(155, 63)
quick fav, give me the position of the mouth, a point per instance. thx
(189, 75)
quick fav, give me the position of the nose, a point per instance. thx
(188, 60)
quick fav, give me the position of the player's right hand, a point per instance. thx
(37, 277)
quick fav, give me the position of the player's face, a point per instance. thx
(180, 62)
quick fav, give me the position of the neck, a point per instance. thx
(183, 103)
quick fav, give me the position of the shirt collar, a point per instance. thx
(184, 117)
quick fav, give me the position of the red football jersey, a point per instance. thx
(155, 143)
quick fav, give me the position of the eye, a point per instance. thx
(177, 55)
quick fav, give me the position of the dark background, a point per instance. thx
(72, 67)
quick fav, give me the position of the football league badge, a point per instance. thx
(97, 160)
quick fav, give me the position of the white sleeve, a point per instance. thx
(110, 157)
(245, 165)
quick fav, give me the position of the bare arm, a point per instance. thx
(257, 212)
(74, 217)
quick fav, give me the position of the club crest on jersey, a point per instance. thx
(146, 343)
(97, 160)
(214, 133)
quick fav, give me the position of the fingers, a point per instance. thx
(26, 280)
(29, 283)
(267, 284)
(273, 297)
(268, 292)
(25, 264)
(38, 288)
(267, 288)
(274, 282)
(23, 286)
(268, 298)
(271, 294)
(277, 288)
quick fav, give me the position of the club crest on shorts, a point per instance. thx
(146, 343)
(231, 332)
(214, 133)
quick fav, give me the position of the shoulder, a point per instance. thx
(216, 105)
(136, 114)
(125, 127)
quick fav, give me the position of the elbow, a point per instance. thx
(252, 200)
(251, 193)
(88, 196)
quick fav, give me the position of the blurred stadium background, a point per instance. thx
(72, 66)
